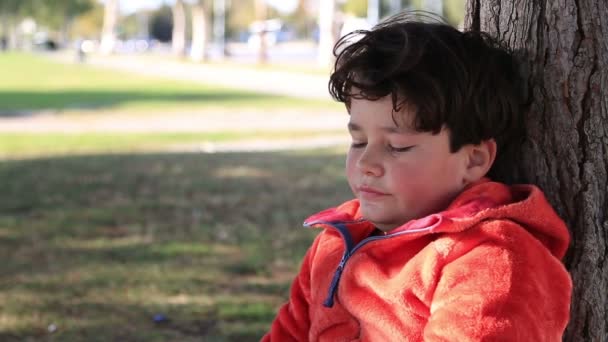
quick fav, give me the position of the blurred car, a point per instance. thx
(41, 41)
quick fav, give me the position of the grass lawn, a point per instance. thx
(97, 239)
(93, 247)
(32, 82)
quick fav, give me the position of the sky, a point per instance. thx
(130, 6)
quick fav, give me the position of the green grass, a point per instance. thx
(96, 238)
(97, 245)
(32, 82)
(23, 145)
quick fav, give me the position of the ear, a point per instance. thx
(479, 160)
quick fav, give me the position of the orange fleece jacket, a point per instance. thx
(485, 269)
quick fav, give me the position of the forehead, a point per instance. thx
(364, 113)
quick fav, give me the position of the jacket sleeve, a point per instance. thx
(505, 287)
(292, 322)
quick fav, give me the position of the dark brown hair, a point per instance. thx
(465, 81)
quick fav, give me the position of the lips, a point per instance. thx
(369, 192)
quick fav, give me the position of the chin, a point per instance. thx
(380, 221)
(385, 227)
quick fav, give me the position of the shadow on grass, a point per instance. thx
(19, 103)
(211, 240)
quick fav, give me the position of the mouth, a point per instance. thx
(369, 192)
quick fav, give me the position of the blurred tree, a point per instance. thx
(327, 32)
(58, 15)
(161, 24)
(417, 4)
(88, 24)
(434, 6)
(178, 40)
(302, 20)
(128, 26)
(219, 26)
(453, 11)
(11, 7)
(108, 34)
(11, 11)
(199, 31)
(390, 7)
(261, 16)
(240, 15)
(358, 8)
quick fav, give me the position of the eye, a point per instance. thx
(358, 145)
(399, 149)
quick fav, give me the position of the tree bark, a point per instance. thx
(564, 52)
(199, 32)
(178, 41)
(108, 35)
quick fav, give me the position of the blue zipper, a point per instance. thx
(329, 301)
(349, 251)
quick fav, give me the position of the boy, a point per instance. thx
(430, 249)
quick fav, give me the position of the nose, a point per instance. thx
(369, 163)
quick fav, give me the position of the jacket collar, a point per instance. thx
(472, 200)
(485, 199)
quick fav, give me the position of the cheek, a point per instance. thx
(414, 177)
(351, 167)
(441, 174)
(408, 178)
(451, 168)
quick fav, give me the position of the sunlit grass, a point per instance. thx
(34, 83)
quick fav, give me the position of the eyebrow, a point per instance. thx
(353, 127)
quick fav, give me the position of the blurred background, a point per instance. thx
(157, 159)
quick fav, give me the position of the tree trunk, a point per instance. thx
(199, 32)
(108, 35)
(260, 10)
(8, 37)
(565, 56)
(178, 41)
(4, 25)
(327, 39)
(9, 17)
(66, 29)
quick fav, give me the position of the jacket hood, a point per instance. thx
(525, 205)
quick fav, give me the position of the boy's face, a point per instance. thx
(399, 174)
